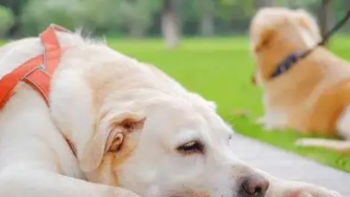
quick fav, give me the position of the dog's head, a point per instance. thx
(275, 33)
(167, 143)
(168, 147)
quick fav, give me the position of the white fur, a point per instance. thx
(94, 88)
(273, 118)
(307, 38)
(343, 124)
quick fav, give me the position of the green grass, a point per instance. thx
(220, 70)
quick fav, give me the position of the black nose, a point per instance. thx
(254, 186)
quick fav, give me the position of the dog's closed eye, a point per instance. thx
(191, 148)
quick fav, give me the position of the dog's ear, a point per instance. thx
(262, 28)
(89, 133)
(110, 136)
(308, 22)
(264, 39)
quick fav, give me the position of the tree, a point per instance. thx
(16, 7)
(207, 11)
(6, 20)
(169, 23)
(325, 16)
(38, 14)
(197, 16)
(292, 3)
(234, 16)
(136, 15)
(265, 3)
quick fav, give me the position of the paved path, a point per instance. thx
(290, 166)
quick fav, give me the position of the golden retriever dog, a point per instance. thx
(310, 94)
(116, 127)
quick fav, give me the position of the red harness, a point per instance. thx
(36, 72)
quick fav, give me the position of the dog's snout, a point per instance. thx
(254, 186)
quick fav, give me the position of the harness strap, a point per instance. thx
(36, 72)
(9, 81)
(52, 48)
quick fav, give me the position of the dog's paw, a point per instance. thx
(285, 188)
(313, 194)
(311, 142)
(265, 124)
(269, 125)
(260, 120)
(301, 142)
(311, 191)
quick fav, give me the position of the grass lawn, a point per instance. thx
(220, 70)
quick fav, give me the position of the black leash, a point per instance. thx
(287, 63)
(334, 29)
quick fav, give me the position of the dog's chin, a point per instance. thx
(191, 194)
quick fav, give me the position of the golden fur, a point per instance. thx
(313, 95)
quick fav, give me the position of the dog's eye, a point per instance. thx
(191, 147)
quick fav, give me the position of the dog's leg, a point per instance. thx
(270, 123)
(337, 145)
(39, 183)
(285, 188)
(343, 128)
(343, 124)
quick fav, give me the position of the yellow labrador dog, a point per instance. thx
(119, 128)
(311, 95)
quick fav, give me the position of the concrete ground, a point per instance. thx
(290, 166)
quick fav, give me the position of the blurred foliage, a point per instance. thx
(103, 16)
(140, 18)
(6, 20)
(38, 14)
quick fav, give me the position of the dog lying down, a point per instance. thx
(116, 127)
(311, 95)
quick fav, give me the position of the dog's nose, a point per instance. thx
(254, 186)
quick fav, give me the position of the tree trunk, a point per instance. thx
(135, 32)
(325, 16)
(265, 3)
(207, 26)
(169, 23)
(346, 4)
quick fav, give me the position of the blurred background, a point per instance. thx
(171, 19)
(209, 41)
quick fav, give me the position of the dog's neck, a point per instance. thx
(278, 57)
(291, 60)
